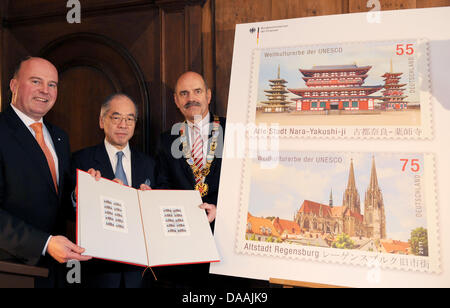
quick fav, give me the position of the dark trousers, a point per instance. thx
(114, 280)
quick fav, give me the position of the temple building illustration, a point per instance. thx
(315, 217)
(393, 97)
(336, 87)
(277, 98)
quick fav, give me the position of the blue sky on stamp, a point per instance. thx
(280, 191)
(376, 54)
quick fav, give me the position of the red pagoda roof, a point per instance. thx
(394, 85)
(392, 75)
(335, 68)
(311, 81)
(370, 89)
(315, 98)
(306, 78)
(388, 99)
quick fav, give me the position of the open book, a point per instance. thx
(146, 228)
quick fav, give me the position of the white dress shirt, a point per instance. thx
(126, 159)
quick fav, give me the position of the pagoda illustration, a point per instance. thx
(393, 97)
(335, 87)
(277, 98)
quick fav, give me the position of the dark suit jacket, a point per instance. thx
(142, 169)
(96, 157)
(30, 208)
(175, 173)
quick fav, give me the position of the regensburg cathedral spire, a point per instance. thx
(351, 196)
(374, 215)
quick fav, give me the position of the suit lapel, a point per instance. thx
(187, 171)
(104, 164)
(29, 144)
(137, 174)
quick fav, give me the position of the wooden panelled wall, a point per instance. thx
(140, 47)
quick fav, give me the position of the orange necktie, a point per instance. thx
(37, 127)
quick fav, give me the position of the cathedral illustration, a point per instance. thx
(315, 217)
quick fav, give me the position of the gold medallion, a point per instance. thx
(197, 172)
(206, 170)
(213, 146)
(202, 188)
(201, 174)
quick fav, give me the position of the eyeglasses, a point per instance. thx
(117, 119)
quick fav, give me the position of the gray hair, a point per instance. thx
(107, 104)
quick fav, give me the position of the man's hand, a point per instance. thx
(210, 211)
(63, 250)
(118, 181)
(145, 187)
(95, 173)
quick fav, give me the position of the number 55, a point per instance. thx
(401, 50)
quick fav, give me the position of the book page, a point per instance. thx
(108, 221)
(177, 231)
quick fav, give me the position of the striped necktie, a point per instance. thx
(37, 127)
(197, 150)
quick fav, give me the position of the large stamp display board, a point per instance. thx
(335, 166)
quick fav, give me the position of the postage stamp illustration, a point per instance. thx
(174, 221)
(367, 90)
(114, 215)
(337, 207)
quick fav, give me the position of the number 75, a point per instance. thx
(415, 166)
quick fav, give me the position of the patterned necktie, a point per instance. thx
(37, 127)
(120, 173)
(197, 150)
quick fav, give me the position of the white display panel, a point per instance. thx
(405, 141)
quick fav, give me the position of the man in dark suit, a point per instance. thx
(115, 159)
(190, 156)
(35, 175)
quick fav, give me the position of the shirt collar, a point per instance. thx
(25, 119)
(203, 124)
(112, 150)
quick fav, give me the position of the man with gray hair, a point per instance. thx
(115, 159)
